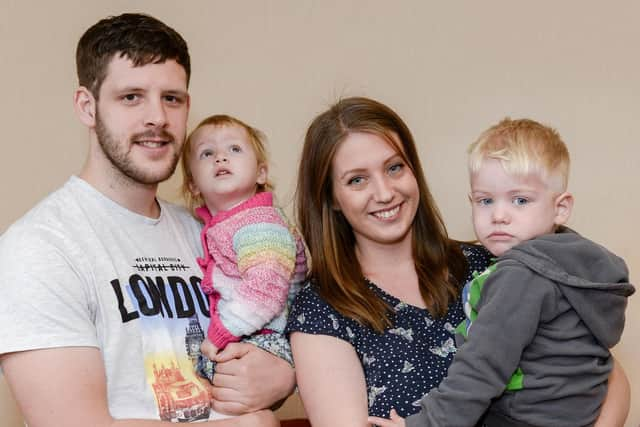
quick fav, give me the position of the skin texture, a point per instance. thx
(136, 126)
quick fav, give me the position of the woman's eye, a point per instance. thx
(356, 180)
(396, 168)
(520, 201)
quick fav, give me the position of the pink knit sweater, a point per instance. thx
(253, 262)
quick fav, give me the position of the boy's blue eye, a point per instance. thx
(485, 202)
(520, 201)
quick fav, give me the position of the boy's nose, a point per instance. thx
(500, 215)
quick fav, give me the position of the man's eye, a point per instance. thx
(130, 97)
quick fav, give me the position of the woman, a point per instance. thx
(385, 277)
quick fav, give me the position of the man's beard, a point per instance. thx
(119, 154)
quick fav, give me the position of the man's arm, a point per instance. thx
(248, 378)
(66, 386)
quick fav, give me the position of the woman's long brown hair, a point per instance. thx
(335, 270)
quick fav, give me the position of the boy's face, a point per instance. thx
(508, 210)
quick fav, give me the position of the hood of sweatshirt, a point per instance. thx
(593, 280)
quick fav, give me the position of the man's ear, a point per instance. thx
(563, 206)
(263, 173)
(85, 106)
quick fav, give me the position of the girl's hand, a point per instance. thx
(395, 421)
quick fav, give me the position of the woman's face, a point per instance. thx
(374, 189)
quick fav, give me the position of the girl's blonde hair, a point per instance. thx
(523, 147)
(258, 142)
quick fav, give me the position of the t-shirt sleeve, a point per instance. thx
(312, 315)
(44, 302)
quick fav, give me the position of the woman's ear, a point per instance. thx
(563, 207)
(85, 106)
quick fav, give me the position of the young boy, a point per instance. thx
(540, 319)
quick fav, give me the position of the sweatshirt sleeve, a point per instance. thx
(509, 311)
(266, 254)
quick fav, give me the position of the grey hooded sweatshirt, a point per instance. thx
(553, 307)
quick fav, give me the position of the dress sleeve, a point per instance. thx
(312, 315)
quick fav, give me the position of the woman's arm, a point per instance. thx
(330, 380)
(615, 407)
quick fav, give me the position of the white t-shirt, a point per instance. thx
(81, 270)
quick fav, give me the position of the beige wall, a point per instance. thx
(449, 68)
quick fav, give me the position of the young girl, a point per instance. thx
(253, 260)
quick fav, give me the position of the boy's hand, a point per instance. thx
(395, 421)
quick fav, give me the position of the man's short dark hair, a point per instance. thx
(141, 38)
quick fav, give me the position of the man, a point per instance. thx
(102, 314)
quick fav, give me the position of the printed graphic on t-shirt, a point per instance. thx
(172, 314)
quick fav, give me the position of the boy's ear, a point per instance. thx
(263, 172)
(563, 206)
(85, 106)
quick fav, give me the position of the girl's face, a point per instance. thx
(374, 189)
(224, 166)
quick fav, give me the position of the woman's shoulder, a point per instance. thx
(310, 313)
(478, 257)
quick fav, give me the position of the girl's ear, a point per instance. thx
(85, 106)
(195, 192)
(563, 207)
(263, 173)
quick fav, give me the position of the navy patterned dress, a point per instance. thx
(407, 360)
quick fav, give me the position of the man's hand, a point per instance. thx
(248, 379)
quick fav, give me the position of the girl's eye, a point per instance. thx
(235, 149)
(520, 201)
(393, 169)
(485, 201)
(356, 180)
(206, 153)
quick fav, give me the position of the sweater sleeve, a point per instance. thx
(266, 254)
(509, 310)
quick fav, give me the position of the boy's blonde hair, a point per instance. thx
(523, 147)
(258, 142)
